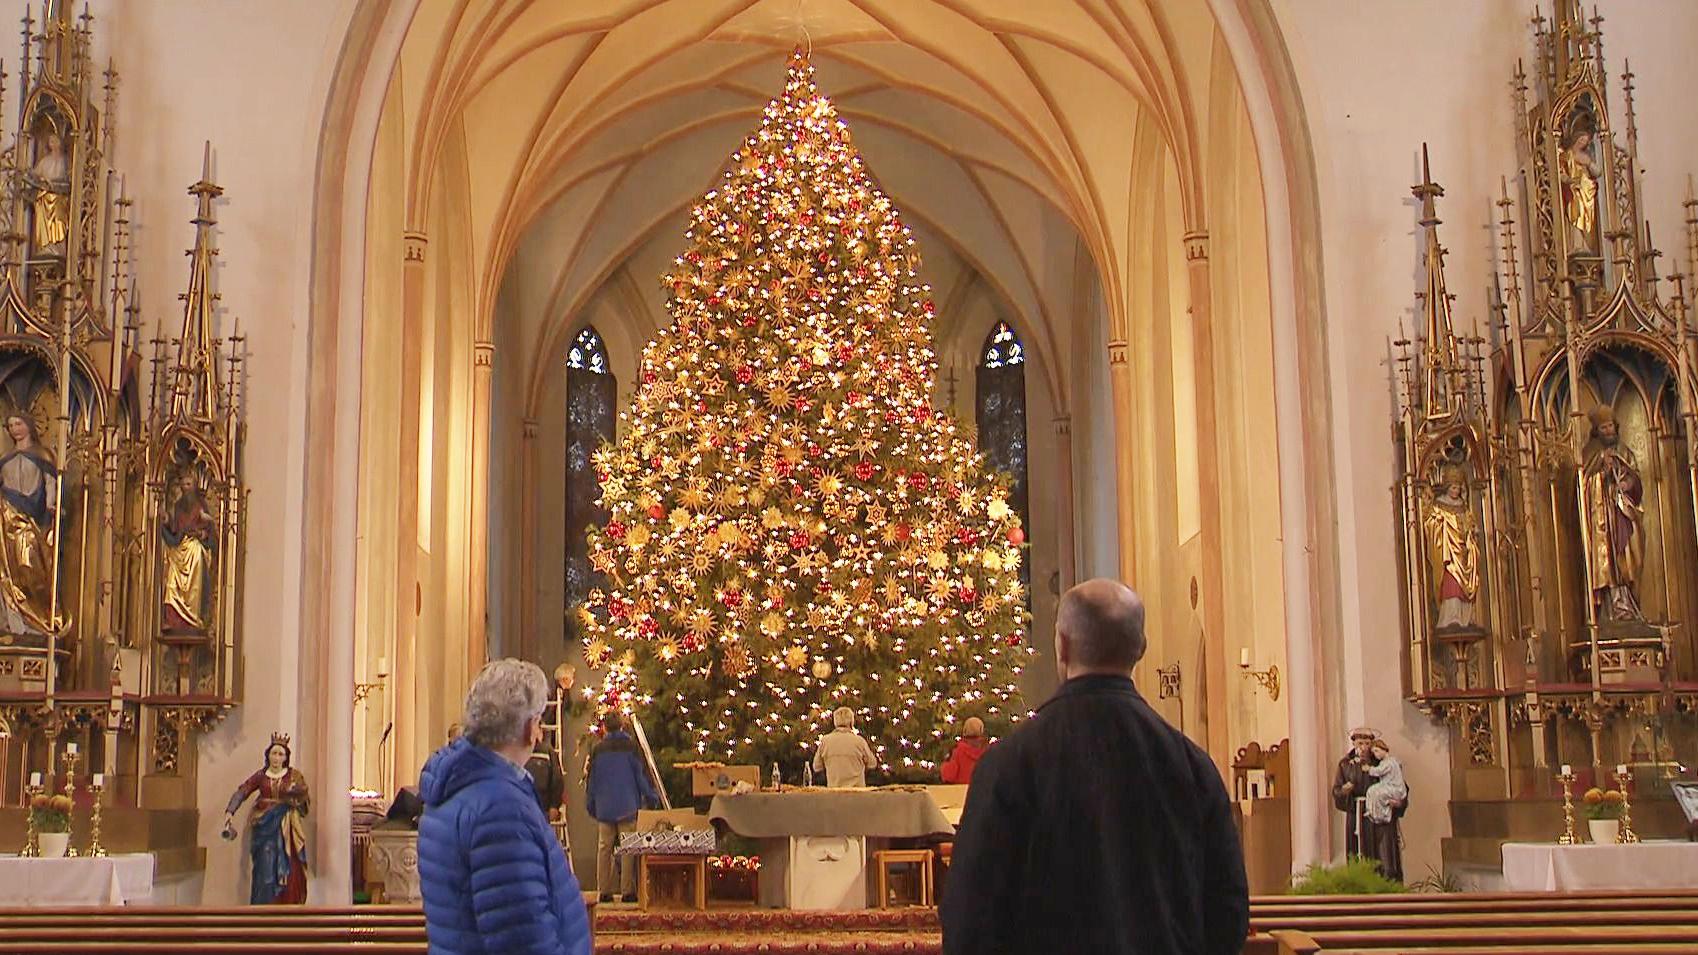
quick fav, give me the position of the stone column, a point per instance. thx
(1065, 532)
(1120, 387)
(408, 741)
(1213, 598)
(527, 569)
(477, 636)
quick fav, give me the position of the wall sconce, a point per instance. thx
(363, 690)
(1167, 681)
(1269, 678)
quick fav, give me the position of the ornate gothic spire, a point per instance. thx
(194, 372)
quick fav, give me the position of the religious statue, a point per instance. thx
(1453, 550)
(51, 205)
(189, 536)
(1363, 836)
(276, 829)
(1614, 531)
(1579, 171)
(28, 501)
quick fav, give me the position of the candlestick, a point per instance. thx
(1626, 834)
(71, 790)
(32, 847)
(1568, 837)
(95, 849)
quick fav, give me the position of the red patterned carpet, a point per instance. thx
(767, 931)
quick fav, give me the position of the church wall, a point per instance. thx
(1371, 97)
(177, 92)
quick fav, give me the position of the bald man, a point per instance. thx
(1095, 826)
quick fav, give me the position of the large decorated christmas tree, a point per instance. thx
(792, 526)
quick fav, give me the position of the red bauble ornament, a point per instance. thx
(656, 511)
(798, 540)
(917, 480)
(968, 595)
(648, 377)
(903, 532)
(648, 627)
(745, 374)
(1016, 536)
(865, 470)
(616, 530)
(616, 607)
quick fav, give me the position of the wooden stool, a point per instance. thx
(889, 857)
(695, 864)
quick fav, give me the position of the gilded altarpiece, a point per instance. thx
(122, 508)
(1546, 494)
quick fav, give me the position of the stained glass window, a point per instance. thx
(591, 392)
(1002, 348)
(1000, 413)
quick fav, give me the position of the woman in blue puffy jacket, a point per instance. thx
(493, 876)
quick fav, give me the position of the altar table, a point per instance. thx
(1548, 867)
(109, 880)
(813, 841)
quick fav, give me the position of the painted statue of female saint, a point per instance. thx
(277, 830)
(28, 496)
(189, 536)
(1453, 551)
(52, 199)
(1579, 172)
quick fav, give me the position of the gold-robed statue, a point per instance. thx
(1453, 550)
(28, 496)
(1615, 516)
(189, 536)
(1580, 186)
(52, 195)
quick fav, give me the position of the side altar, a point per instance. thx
(1546, 494)
(122, 506)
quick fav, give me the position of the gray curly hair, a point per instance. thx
(507, 694)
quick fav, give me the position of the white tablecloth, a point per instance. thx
(112, 880)
(1547, 867)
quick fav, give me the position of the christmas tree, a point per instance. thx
(792, 526)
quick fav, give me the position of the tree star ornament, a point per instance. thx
(780, 443)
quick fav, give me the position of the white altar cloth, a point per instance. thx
(1548, 867)
(111, 880)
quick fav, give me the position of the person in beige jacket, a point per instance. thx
(844, 755)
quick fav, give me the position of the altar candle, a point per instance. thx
(1566, 771)
(1244, 657)
(99, 780)
(70, 749)
(35, 779)
(382, 666)
(1621, 770)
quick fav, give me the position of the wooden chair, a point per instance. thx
(885, 858)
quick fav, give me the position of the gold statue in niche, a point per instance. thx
(51, 204)
(28, 498)
(1453, 550)
(189, 536)
(1615, 517)
(1580, 174)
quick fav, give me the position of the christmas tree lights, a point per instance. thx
(792, 526)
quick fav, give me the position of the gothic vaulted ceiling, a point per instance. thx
(1008, 131)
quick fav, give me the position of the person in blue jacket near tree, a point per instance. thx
(618, 786)
(494, 878)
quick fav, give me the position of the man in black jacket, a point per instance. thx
(1096, 827)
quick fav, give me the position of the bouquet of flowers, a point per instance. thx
(1602, 803)
(50, 813)
(735, 863)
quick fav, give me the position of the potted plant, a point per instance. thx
(52, 818)
(1602, 808)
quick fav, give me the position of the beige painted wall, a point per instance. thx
(1377, 81)
(251, 76)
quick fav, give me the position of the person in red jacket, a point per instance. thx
(958, 769)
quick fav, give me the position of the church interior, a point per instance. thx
(350, 345)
